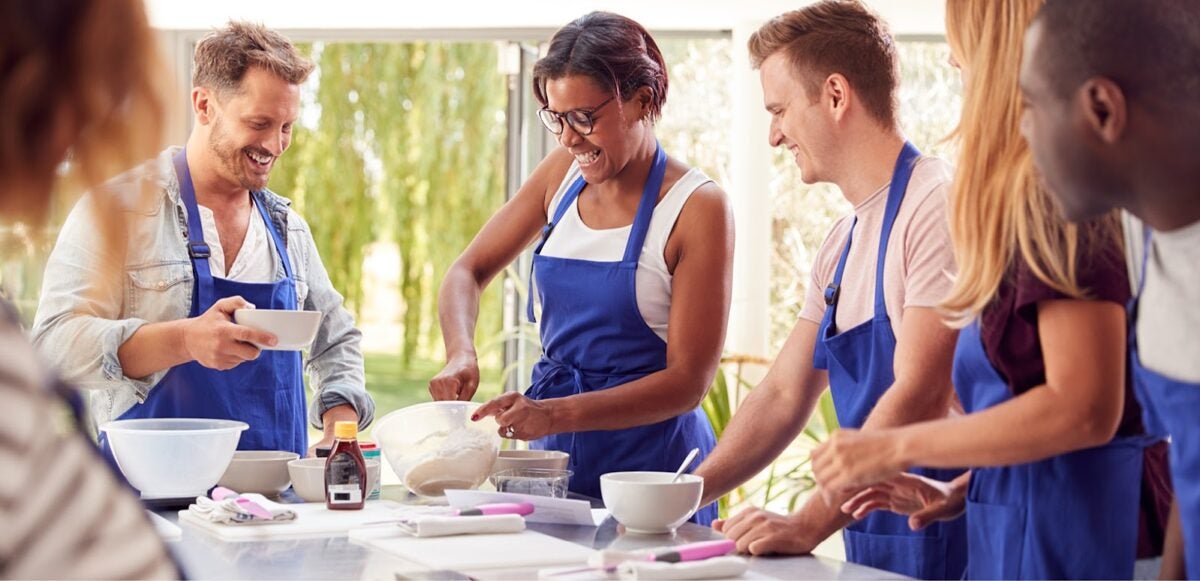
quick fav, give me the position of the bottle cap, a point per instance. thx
(345, 430)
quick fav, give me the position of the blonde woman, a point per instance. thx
(77, 76)
(1052, 428)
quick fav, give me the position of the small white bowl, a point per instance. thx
(541, 459)
(648, 502)
(308, 477)
(260, 471)
(295, 330)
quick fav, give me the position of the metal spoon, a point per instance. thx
(686, 462)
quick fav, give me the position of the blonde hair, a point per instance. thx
(223, 56)
(84, 75)
(997, 205)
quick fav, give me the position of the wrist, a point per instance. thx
(180, 338)
(903, 449)
(462, 354)
(561, 412)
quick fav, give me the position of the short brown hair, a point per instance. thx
(836, 36)
(223, 57)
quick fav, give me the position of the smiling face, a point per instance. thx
(1061, 144)
(798, 122)
(248, 129)
(617, 127)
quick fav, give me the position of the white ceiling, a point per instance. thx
(907, 17)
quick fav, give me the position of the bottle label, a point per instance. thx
(345, 494)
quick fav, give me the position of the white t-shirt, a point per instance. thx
(1168, 325)
(255, 262)
(572, 238)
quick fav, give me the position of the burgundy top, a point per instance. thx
(1009, 329)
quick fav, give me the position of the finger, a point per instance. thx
(747, 538)
(443, 388)
(742, 524)
(467, 384)
(228, 305)
(763, 545)
(256, 336)
(242, 352)
(491, 408)
(869, 507)
(719, 525)
(859, 499)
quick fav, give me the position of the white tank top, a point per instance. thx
(574, 239)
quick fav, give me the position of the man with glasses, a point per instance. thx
(631, 272)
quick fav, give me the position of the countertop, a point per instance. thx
(204, 556)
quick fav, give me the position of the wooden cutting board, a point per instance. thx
(312, 520)
(475, 552)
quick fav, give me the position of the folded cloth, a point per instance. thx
(715, 568)
(442, 526)
(229, 511)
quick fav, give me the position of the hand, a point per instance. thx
(333, 415)
(925, 500)
(215, 341)
(458, 380)
(520, 418)
(760, 532)
(851, 460)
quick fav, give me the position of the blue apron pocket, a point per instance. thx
(995, 541)
(917, 555)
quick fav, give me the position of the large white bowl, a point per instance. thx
(295, 330)
(435, 446)
(648, 502)
(173, 457)
(260, 471)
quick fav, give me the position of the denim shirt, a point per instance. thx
(93, 301)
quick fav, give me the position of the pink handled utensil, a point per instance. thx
(608, 559)
(517, 508)
(221, 493)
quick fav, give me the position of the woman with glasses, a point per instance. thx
(631, 271)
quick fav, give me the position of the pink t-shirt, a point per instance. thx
(920, 257)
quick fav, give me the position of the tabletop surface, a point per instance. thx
(204, 556)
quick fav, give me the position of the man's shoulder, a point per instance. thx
(930, 174)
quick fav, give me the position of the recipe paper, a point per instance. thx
(558, 511)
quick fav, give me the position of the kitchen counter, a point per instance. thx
(204, 556)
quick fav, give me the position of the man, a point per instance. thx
(1113, 120)
(829, 77)
(207, 238)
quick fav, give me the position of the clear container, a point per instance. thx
(173, 457)
(535, 481)
(436, 446)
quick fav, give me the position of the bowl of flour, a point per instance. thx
(434, 446)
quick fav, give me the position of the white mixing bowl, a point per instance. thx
(173, 457)
(435, 446)
(648, 502)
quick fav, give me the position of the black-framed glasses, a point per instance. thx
(580, 120)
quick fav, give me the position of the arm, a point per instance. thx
(1173, 564)
(700, 293)
(922, 390)
(498, 244)
(1079, 406)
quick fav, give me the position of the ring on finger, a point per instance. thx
(510, 432)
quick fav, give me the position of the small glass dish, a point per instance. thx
(535, 481)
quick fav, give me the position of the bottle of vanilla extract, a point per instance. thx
(345, 470)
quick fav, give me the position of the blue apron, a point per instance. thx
(860, 371)
(267, 393)
(1072, 516)
(1170, 406)
(593, 338)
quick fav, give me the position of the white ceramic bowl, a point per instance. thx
(308, 477)
(648, 502)
(261, 471)
(434, 446)
(521, 459)
(173, 457)
(295, 330)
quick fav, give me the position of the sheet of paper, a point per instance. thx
(560, 511)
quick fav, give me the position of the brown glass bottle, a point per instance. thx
(345, 470)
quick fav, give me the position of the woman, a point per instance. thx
(631, 270)
(78, 76)
(1040, 365)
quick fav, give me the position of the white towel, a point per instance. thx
(229, 512)
(715, 568)
(442, 526)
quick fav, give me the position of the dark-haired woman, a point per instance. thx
(631, 271)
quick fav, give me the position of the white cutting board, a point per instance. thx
(312, 520)
(474, 552)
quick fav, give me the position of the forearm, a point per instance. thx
(763, 427)
(1173, 564)
(1035, 425)
(654, 398)
(154, 347)
(458, 311)
(904, 404)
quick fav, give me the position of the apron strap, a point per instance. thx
(276, 236)
(900, 178)
(197, 248)
(834, 291)
(566, 201)
(641, 222)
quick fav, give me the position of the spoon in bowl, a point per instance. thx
(686, 462)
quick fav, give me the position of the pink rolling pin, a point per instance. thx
(608, 559)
